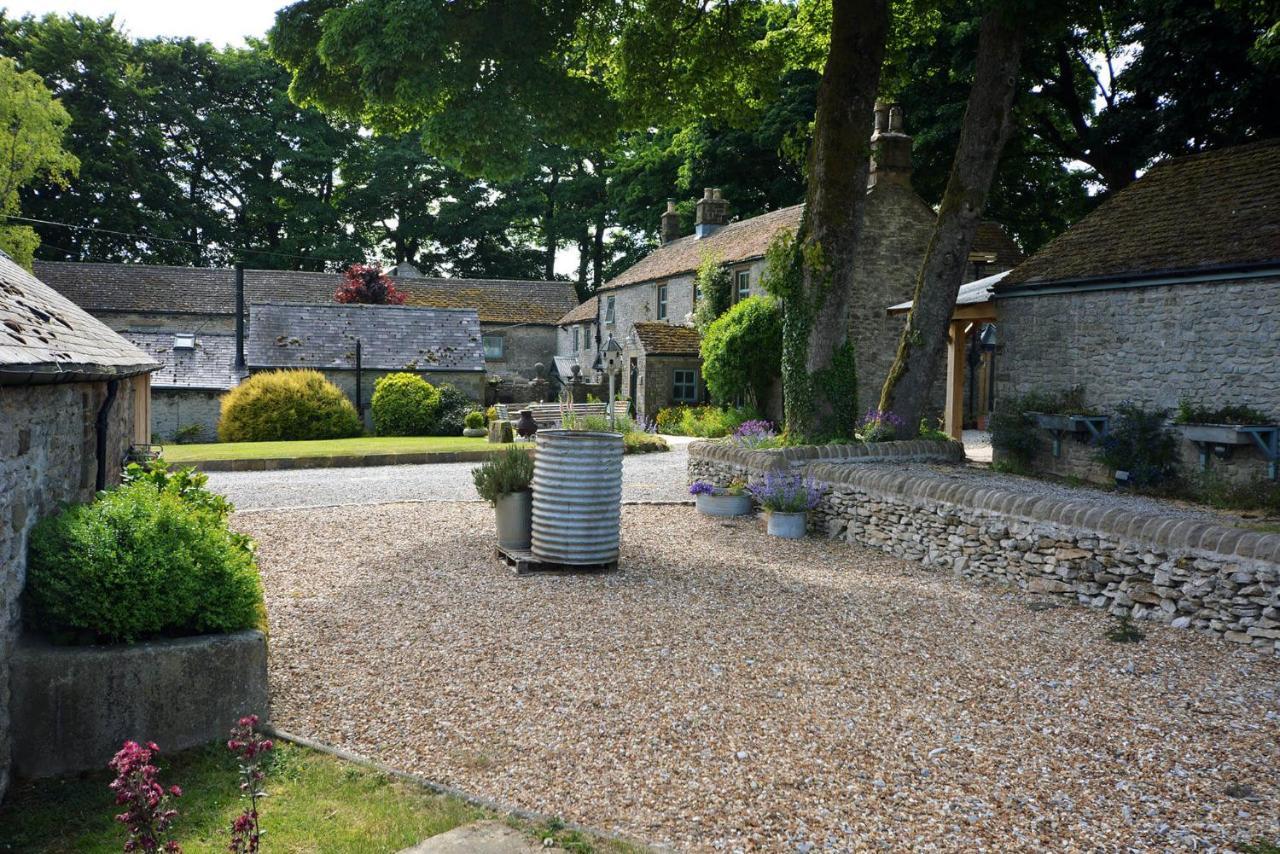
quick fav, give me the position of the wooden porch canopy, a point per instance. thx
(974, 306)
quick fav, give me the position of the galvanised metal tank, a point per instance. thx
(577, 497)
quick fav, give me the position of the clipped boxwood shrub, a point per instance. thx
(454, 406)
(404, 404)
(141, 561)
(276, 406)
(742, 351)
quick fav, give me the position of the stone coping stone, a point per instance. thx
(480, 837)
(73, 706)
(916, 450)
(339, 461)
(1164, 533)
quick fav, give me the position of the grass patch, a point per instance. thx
(316, 803)
(327, 448)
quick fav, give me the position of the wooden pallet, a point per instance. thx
(522, 562)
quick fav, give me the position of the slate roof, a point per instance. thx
(323, 336)
(45, 337)
(587, 311)
(1195, 213)
(210, 365)
(748, 239)
(971, 293)
(665, 339)
(155, 288)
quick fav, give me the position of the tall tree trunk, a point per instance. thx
(584, 260)
(983, 133)
(549, 226)
(597, 251)
(819, 381)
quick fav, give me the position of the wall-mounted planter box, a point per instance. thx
(74, 705)
(1220, 439)
(1086, 428)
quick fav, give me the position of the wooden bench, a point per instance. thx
(548, 414)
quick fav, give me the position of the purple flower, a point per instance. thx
(754, 434)
(701, 487)
(787, 493)
(879, 425)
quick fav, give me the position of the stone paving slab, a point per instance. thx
(481, 837)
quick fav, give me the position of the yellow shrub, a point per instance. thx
(286, 406)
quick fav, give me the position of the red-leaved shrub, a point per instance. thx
(368, 285)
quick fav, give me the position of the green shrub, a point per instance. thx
(189, 434)
(503, 474)
(286, 406)
(1191, 412)
(491, 414)
(668, 420)
(742, 351)
(706, 422)
(714, 286)
(474, 420)
(1210, 487)
(454, 406)
(1015, 435)
(640, 442)
(141, 561)
(186, 483)
(404, 404)
(1138, 442)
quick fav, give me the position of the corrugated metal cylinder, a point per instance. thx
(577, 497)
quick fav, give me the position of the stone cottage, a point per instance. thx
(73, 399)
(1169, 290)
(659, 289)
(443, 345)
(518, 321)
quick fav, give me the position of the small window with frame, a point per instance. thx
(684, 385)
(577, 330)
(662, 302)
(608, 310)
(742, 285)
(495, 347)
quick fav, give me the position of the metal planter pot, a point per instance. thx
(577, 497)
(790, 526)
(723, 505)
(515, 519)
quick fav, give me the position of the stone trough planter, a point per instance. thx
(1086, 428)
(72, 706)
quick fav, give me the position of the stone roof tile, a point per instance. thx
(665, 339)
(587, 311)
(209, 364)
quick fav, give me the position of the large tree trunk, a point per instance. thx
(982, 136)
(549, 227)
(819, 381)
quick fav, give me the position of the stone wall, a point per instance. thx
(656, 383)
(48, 455)
(470, 382)
(527, 346)
(1175, 568)
(172, 409)
(1213, 342)
(720, 461)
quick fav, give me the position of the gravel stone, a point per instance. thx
(729, 691)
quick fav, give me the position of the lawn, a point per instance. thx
(316, 803)
(326, 448)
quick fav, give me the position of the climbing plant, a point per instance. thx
(713, 286)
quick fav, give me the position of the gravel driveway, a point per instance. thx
(728, 691)
(645, 477)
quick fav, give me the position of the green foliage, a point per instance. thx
(32, 124)
(475, 420)
(1192, 412)
(1013, 434)
(186, 483)
(714, 286)
(491, 414)
(640, 442)
(1209, 487)
(503, 474)
(404, 404)
(932, 432)
(1138, 442)
(141, 561)
(189, 434)
(454, 406)
(286, 406)
(707, 422)
(1124, 631)
(742, 351)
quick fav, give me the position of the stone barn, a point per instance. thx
(73, 399)
(1168, 292)
(196, 369)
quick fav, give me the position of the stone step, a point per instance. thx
(480, 837)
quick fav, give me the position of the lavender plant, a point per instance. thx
(755, 434)
(879, 426)
(786, 493)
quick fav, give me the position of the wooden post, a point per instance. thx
(954, 420)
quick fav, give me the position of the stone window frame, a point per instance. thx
(502, 347)
(741, 284)
(610, 310)
(662, 301)
(575, 332)
(678, 384)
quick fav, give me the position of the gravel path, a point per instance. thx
(728, 691)
(645, 477)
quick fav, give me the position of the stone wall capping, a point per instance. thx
(1247, 544)
(1210, 538)
(1093, 518)
(1231, 537)
(1151, 529)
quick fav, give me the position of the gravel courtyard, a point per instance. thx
(729, 691)
(645, 477)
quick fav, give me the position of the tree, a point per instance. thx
(982, 136)
(742, 352)
(31, 152)
(366, 284)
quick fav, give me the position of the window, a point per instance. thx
(685, 386)
(576, 331)
(184, 341)
(494, 346)
(662, 302)
(743, 281)
(608, 310)
(697, 294)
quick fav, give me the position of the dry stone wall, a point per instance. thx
(1174, 568)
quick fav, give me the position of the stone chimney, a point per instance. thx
(670, 222)
(712, 213)
(890, 148)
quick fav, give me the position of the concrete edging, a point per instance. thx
(73, 706)
(340, 461)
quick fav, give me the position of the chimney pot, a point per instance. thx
(670, 223)
(712, 213)
(890, 148)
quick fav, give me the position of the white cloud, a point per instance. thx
(223, 22)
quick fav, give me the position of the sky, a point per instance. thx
(219, 21)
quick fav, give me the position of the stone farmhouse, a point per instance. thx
(73, 399)
(648, 307)
(185, 318)
(1169, 290)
